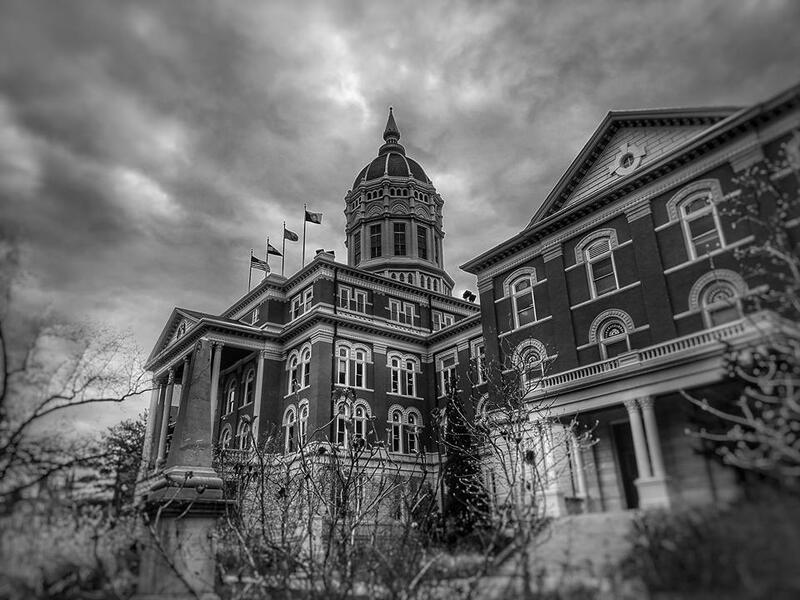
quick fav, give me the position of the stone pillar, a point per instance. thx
(639, 443)
(162, 436)
(214, 388)
(158, 416)
(656, 490)
(580, 470)
(147, 450)
(262, 355)
(653, 440)
(555, 505)
(182, 506)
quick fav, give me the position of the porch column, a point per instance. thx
(155, 434)
(653, 440)
(580, 470)
(162, 437)
(639, 443)
(262, 355)
(215, 365)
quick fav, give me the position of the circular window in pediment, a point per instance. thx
(627, 160)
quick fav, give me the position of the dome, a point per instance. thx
(391, 159)
(393, 164)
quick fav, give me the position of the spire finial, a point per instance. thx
(391, 134)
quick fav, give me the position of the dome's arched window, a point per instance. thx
(230, 394)
(249, 386)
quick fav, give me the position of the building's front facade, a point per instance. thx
(624, 287)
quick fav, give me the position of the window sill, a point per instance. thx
(716, 252)
(297, 391)
(404, 396)
(352, 387)
(523, 327)
(625, 288)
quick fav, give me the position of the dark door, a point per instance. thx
(626, 458)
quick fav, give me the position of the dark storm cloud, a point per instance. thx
(146, 147)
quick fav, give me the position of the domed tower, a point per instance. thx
(394, 219)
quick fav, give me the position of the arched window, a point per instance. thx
(342, 417)
(294, 373)
(249, 384)
(403, 374)
(225, 438)
(230, 394)
(397, 431)
(530, 361)
(343, 365)
(243, 434)
(359, 368)
(522, 301)
(601, 269)
(696, 207)
(404, 430)
(360, 422)
(305, 360)
(720, 303)
(289, 422)
(299, 365)
(303, 422)
(613, 337)
(411, 433)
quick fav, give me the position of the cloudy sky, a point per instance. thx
(146, 147)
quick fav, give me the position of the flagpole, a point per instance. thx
(250, 272)
(283, 248)
(304, 236)
(267, 256)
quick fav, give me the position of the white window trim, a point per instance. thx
(514, 296)
(440, 369)
(403, 371)
(297, 353)
(247, 384)
(290, 412)
(590, 267)
(476, 357)
(626, 319)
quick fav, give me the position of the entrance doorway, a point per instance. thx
(626, 459)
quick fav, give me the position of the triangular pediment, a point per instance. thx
(625, 143)
(180, 321)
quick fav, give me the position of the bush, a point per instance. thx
(748, 550)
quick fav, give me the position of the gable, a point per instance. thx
(644, 144)
(180, 320)
(645, 136)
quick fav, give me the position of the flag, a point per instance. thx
(290, 235)
(257, 263)
(313, 217)
(273, 250)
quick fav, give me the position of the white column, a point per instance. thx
(653, 440)
(580, 470)
(215, 364)
(639, 443)
(547, 454)
(152, 416)
(262, 355)
(162, 438)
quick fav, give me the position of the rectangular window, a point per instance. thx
(703, 233)
(254, 316)
(301, 303)
(441, 320)
(374, 241)
(401, 312)
(422, 242)
(436, 249)
(359, 301)
(344, 296)
(603, 276)
(400, 239)
(357, 248)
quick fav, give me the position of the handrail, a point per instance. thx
(661, 350)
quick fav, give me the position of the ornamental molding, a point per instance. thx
(607, 232)
(638, 211)
(712, 186)
(723, 275)
(748, 157)
(628, 159)
(521, 272)
(552, 251)
(611, 313)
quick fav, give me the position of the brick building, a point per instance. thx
(623, 289)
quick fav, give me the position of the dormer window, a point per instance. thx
(181, 330)
(254, 316)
